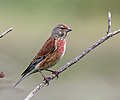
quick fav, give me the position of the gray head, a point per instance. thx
(60, 31)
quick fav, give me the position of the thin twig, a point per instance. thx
(74, 60)
(3, 34)
(7, 31)
(109, 22)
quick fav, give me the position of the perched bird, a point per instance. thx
(50, 53)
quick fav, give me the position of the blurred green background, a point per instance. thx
(95, 77)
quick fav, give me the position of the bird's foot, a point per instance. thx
(46, 79)
(56, 73)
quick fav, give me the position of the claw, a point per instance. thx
(56, 73)
(46, 79)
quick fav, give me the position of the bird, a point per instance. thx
(50, 53)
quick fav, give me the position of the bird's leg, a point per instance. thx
(53, 72)
(46, 79)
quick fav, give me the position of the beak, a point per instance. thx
(68, 30)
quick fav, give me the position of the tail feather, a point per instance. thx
(30, 68)
(23, 77)
(18, 81)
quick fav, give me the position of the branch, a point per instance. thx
(7, 31)
(3, 34)
(77, 58)
(109, 23)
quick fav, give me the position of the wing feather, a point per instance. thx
(46, 49)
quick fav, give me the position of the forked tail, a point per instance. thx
(24, 76)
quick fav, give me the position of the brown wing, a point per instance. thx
(47, 48)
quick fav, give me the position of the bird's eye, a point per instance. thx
(62, 28)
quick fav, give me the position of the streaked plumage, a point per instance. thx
(50, 53)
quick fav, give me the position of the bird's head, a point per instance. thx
(61, 31)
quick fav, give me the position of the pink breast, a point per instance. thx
(61, 46)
